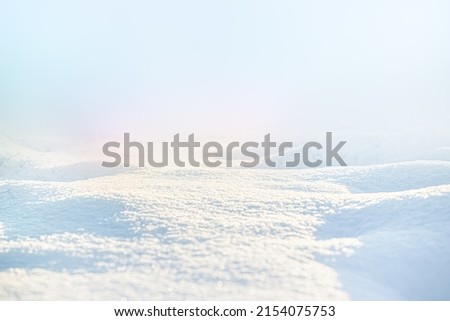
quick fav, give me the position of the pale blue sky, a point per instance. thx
(223, 68)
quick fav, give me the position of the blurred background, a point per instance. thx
(376, 73)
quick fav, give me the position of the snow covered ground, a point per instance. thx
(75, 231)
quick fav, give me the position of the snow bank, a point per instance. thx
(370, 232)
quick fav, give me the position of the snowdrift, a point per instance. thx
(369, 232)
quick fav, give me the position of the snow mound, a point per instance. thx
(23, 163)
(371, 232)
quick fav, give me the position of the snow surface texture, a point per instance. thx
(370, 232)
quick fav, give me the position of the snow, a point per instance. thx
(77, 231)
